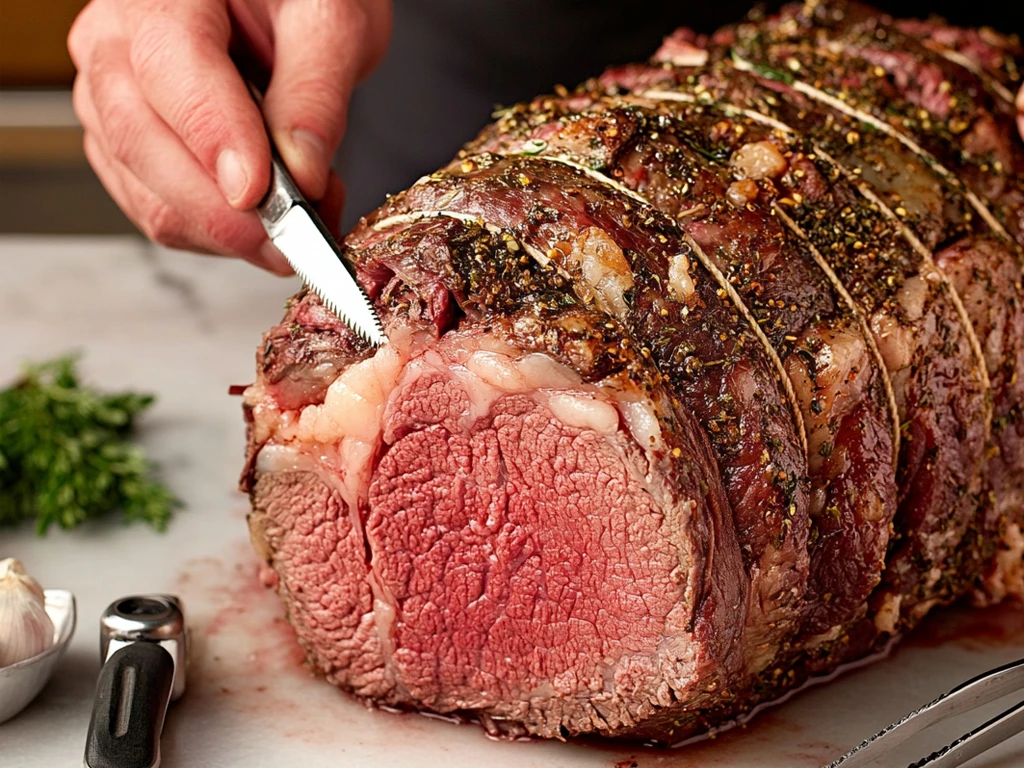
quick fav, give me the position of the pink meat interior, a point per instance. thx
(513, 545)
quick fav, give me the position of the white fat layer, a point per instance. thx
(352, 414)
(896, 345)
(348, 427)
(682, 54)
(585, 412)
(265, 414)
(282, 458)
(680, 282)
(758, 160)
(540, 371)
(349, 423)
(740, 193)
(643, 422)
(888, 616)
(912, 295)
(1008, 578)
(384, 622)
(838, 385)
(500, 371)
(606, 271)
(354, 403)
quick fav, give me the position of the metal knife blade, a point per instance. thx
(985, 688)
(295, 228)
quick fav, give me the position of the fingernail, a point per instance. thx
(310, 146)
(231, 175)
(273, 260)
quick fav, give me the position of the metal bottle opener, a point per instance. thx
(144, 646)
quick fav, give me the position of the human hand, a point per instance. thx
(171, 129)
(1020, 111)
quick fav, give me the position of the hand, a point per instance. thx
(172, 132)
(1020, 111)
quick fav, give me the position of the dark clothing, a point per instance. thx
(451, 61)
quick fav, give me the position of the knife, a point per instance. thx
(295, 228)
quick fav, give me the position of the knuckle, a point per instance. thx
(314, 95)
(153, 45)
(163, 224)
(229, 229)
(201, 127)
(77, 46)
(115, 109)
(332, 16)
(113, 99)
(80, 40)
(192, 114)
(122, 131)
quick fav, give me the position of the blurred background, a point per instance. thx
(450, 62)
(45, 184)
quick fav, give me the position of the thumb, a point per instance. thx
(321, 51)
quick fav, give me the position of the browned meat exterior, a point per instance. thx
(702, 380)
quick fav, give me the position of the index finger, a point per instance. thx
(179, 55)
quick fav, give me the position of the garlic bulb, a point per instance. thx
(25, 628)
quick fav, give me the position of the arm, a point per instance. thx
(170, 128)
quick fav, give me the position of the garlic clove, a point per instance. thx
(26, 630)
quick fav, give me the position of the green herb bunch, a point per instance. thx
(65, 455)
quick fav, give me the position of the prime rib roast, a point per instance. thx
(704, 379)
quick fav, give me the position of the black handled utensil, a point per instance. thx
(144, 645)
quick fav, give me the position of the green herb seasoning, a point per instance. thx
(764, 71)
(65, 455)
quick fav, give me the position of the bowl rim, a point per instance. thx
(64, 632)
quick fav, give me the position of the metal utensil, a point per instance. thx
(981, 690)
(144, 645)
(295, 228)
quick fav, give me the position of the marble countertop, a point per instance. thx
(186, 328)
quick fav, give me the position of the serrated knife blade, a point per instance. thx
(295, 228)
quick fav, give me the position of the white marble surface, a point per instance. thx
(186, 328)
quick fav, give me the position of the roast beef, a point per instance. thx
(702, 380)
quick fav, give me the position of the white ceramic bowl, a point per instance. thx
(22, 682)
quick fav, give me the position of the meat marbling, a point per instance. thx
(702, 380)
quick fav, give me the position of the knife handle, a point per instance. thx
(283, 193)
(132, 695)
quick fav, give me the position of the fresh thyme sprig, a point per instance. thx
(66, 455)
